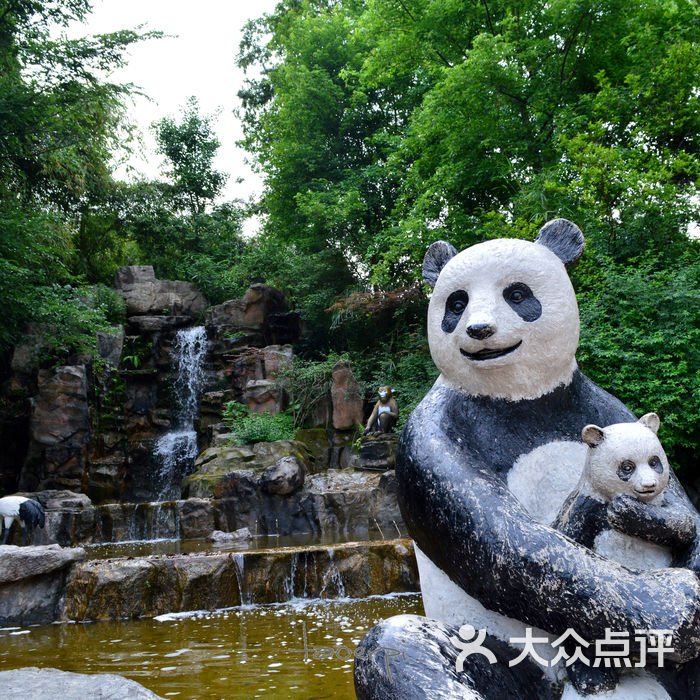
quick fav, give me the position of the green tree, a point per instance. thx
(60, 121)
(380, 126)
(189, 147)
(320, 137)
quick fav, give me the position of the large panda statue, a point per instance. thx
(484, 465)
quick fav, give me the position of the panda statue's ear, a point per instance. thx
(651, 421)
(436, 257)
(592, 435)
(564, 239)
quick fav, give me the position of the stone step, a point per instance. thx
(339, 502)
(118, 588)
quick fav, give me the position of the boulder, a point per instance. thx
(346, 396)
(378, 452)
(53, 499)
(32, 582)
(240, 535)
(110, 346)
(284, 477)
(277, 358)
(59, 431)
(249, 313)
(318, 442)
(52, 683)
(145, 295)
(133, 274)
(264, 396)
(243, 368)
(26, 562)
(196, 518)
(222, 472)
(343, 452)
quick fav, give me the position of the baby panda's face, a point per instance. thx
(503, 320)
(626, 458)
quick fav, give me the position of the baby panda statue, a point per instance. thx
(624, 461)
(484, 466)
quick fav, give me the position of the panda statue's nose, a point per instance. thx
(480, 331)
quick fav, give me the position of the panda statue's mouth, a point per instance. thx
(490, 353)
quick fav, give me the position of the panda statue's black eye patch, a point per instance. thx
(521, 299)
(454, 308)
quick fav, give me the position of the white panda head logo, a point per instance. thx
(503, 318)
(626, 458)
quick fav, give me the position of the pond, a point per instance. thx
(245, 652)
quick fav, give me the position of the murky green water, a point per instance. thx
(255, 652)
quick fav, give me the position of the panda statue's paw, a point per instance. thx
(588, 680)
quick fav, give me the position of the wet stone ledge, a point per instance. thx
(339, 502)
(32, 581)
(150, 586)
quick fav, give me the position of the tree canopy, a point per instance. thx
(380, 126)
(60, 123)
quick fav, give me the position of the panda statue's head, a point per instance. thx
(626, 458)
(503, 318)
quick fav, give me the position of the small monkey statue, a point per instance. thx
(384, 415)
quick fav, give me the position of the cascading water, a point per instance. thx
(175, 451)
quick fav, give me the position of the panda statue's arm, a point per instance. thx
(465, 519)
(674, 523)
(582, 518)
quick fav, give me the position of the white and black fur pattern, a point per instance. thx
(25, 510)
(488, 458)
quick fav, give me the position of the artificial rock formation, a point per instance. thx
(346, 395)
(32, 582)
(213, 468)
(149, 586)
(147, 296)
(284, 477)
(337, 503)
(260, 317)
(378, 452)
(60, 431)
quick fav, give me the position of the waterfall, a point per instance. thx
(333, 578)
(176, 451)
(239, 568)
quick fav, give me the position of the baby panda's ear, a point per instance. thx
(436, 257)
(592, 435)
(651, 421)
(564, 239)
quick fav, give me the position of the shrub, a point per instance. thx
(248, 428)
(308, 382)
(640, 340)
